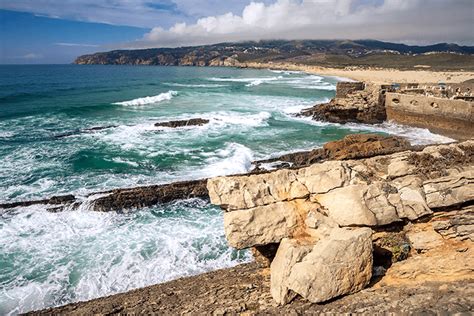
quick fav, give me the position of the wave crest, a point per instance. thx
(149, 100)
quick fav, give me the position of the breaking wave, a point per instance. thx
(149, 100)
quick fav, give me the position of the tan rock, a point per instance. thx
(424, 240)
(244, 192)
(289, 253)
(346, 206)
(338, 265)
(383, 200)
(321, 178)
(450, 190)
(264, 224)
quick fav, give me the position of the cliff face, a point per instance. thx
(328, 218)
(306, 51)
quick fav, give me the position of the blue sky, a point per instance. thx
(56, 31)
(27, 38)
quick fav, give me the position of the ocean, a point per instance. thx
(51, 144)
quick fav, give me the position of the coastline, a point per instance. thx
(371, 75)
(408, 76)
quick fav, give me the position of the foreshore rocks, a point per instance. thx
(354, 105)
(354, 146)
(183, 123)
(323, 215)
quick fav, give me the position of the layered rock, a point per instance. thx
(350, 147)
(318, 213)
(359, 106)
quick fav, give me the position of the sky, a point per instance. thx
(57, 31)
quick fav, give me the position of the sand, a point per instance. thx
(374, 75)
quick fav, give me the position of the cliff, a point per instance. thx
(333, 220)
(336, 53)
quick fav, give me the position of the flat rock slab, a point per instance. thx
(183, 123)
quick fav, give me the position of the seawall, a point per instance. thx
(453, 118)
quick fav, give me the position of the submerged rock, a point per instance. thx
(183, 123)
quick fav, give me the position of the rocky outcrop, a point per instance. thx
(183, 123)
(359, 106)
(122, 199)
(84, 131)
(314, 211)
(354, 146)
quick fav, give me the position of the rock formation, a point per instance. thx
(350, 147)
(359, 106)
(183, 123)
(323, 216)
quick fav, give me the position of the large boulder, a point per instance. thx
(338, 265)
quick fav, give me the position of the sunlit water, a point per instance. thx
(50, 259)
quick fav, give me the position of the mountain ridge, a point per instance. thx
(335, 53)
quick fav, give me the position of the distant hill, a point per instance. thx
(334, 53)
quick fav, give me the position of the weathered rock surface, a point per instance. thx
(338, 265)
(364, 106)
(354, 146)
(120, 199)
(458, 224)
(183, 123)
(312, 205)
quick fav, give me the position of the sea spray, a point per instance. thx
(149, 100)
(80, 255)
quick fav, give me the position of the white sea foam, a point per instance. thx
(149, 100)
(195, 85)
(80, 255)
(417, 136)
(251, 81)
(286, 72)
(234, 158)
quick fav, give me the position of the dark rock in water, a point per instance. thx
(151, 195)
(55, 200)
(364, 146)
(86, 130)
(183, 123)
(98, 128)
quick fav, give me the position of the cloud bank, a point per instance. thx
(409, 21)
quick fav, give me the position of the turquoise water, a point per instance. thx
(51, 259)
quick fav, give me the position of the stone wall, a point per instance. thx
(453, 118)
(345, 88)
(323, 216)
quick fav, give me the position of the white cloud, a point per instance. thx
(75, 45)
(394, 20)
(31, 56)
(139, 13)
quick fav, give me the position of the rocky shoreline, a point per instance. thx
(422, 263)
(368, 218)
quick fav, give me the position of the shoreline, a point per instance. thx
(371, 75)
(340, 73)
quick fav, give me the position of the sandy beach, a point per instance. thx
(374, 75)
